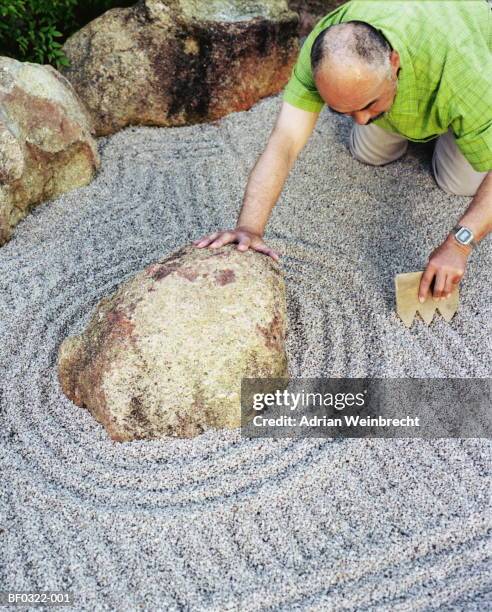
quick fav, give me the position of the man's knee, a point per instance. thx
(452, 186)
(372, 145)
(452, 171)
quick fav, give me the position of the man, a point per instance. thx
(403, 70)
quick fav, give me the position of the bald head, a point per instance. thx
(351, 45)
(355, 70)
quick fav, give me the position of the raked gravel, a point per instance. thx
(219, 522)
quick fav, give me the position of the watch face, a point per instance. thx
(464, 235)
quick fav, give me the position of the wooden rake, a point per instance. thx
(407, 300)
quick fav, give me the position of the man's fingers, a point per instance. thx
(262, 248)
(224, 238)
(206, 240)
(439, 285)
(244, 243)
(451, 281)
(449, 286)
(425, 282)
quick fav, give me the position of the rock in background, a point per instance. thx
(165, 354)
(179, 62)
(311, 11)
(46, 147)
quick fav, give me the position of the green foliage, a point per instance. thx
(35, 30)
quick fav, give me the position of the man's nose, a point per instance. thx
(362, 117)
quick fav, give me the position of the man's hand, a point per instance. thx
(447, 265)
(289, 135)
(245, 239)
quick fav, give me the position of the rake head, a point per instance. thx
(407, 300)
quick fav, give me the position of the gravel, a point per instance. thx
(219, 522)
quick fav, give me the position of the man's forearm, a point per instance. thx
(265, 184)
(478, 216)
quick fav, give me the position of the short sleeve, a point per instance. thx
(301, 90)
(472, 124)
(476, 146)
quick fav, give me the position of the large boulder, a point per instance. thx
(179, 62)
(166, 353)
(46, 146)
(311, 11)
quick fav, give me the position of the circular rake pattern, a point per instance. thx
(218, 521)
(47, 421)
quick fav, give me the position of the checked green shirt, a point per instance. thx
(445, 77)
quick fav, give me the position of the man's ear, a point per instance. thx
(395, 61)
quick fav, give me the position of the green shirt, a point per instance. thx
(445, 77)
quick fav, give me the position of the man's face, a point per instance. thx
(358, 92)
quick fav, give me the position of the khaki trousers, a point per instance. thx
(372, 145)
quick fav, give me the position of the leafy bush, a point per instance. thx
(35, 30)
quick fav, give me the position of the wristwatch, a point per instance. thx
(464, 235)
